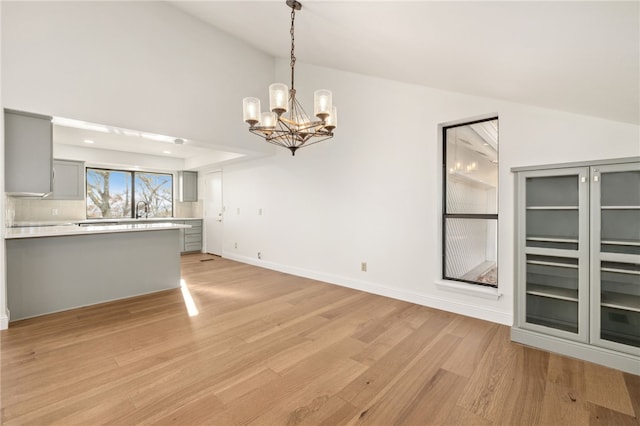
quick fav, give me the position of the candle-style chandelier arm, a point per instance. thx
(287, 124)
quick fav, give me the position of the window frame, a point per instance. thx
(132, 174)
(446, 215)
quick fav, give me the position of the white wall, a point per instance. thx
(137, 65)
(373, 192)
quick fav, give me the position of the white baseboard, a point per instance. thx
(462, 308)
(4, 320)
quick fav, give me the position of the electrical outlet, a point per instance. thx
(235, 245)
(259, 212)
(259, 255)
(54, 212)
(363, 266)
(238, 210)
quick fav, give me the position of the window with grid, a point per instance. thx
(470, 202)
(123, 194)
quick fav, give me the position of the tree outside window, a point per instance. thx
(115, 193)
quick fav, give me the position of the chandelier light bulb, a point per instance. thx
(268, 121)
(322, 103)
(251, 110)
(331, 122)
(278, 98)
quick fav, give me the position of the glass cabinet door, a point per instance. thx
(615, 257)
(553, 247)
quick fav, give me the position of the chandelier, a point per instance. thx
(287, 124)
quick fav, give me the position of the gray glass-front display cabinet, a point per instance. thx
(577, 289)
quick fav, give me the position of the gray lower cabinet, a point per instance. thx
(193, 236)
(578, 261)
(28, 153)
(68, 180)
(190, 238)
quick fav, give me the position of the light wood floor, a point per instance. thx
(272, 349)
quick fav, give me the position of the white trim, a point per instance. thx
(457, 307)
(4, 320)
(475, 290)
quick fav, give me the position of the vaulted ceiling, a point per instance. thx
(580, 57)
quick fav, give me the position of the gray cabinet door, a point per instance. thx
(68, 180)
(553, 252)
(28, 153)
(188, 186)
(615, 257)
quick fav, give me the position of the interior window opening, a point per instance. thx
(470, 202)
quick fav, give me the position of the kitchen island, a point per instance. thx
(55, 268)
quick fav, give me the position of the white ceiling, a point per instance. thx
(120, 142)
(98, 136)
(581, 57)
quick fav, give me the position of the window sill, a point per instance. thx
(470, 289)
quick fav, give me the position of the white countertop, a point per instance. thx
(66, 230)
(19, 224)
(131, 220)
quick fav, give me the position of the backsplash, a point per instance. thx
(39, 210)
(193, 209)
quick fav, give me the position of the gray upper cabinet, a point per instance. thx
(68, 180)
(28, 153)
(188, 186)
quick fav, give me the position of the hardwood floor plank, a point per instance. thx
(633, 387)
(520, 404)
(310, 400)
(476, 336)
(433, 404)
(487, 386)
(378, 377)
(416, 398)
(267, 348)
(602, 416)
(607, 388)
(559, 407)
(564, 400)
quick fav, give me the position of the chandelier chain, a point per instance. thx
(293, 56)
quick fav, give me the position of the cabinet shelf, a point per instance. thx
(552, 292)
(620, 271)
(552, 239)
(552, 207)
(558, 264)
(625, 302)
(620, 242)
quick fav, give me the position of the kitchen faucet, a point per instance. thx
(145, 209)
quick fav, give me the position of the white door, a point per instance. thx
(213, 212)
